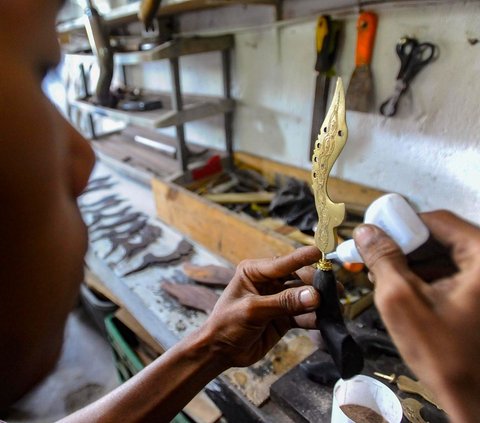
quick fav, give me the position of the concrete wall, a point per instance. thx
(430, 151)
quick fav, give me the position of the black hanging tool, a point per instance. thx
(414, 56)
(345, 352)
(326, 36)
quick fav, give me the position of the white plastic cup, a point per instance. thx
(368, 392)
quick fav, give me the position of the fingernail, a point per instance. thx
(307, 298)
(363, 234)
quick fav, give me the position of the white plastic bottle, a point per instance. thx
(395, 216)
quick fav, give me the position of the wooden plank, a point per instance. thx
(176, 48)
(233, 236)
(279, 226)
(241, 197)
(128, 13)
(197, 5)
(339, 190)
(164, 117)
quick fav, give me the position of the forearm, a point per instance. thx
(162, 389)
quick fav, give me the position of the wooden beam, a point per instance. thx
(233, 236)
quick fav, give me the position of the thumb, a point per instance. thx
(380, 252)
(290, 302)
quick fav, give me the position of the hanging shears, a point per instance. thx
(414, 56)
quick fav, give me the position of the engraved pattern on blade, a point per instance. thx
(330, 143)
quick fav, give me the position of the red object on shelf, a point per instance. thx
(213, 165)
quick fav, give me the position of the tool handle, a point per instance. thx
(322, 35)
(411, 386)
(148, 11)
(366, 30)
(345, 352)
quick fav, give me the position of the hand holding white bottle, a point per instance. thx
(395, 216)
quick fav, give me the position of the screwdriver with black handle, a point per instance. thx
(326, 40)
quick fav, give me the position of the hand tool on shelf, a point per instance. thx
(183, 250)
(360, 89)
(345, 352)
(414, 56)
(148, 12)
(99, 39)
(326, 40)
(406, 384)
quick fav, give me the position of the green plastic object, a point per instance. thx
(127, 362)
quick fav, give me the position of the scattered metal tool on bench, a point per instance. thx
(183, 250)
(129, 230)
(98, 203)
(106, 205)
(97, 217)
(148, 235)
(406, 384)
(326, 36)
(115, 242)
(345, 352)
(193, 296)
(414, 56)
(99, 180)
(125, 219)
(97, 187)
(211, 274)
(360, 92)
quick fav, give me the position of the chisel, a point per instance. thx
(326, 37)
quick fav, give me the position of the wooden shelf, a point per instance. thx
(171, 49)
(128, 13)
(120, 151)
(195, 107)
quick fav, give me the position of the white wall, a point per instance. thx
(430, 151)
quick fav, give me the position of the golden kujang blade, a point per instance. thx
(329, 144)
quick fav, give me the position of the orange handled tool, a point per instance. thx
(360, 89)
(366, 30)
